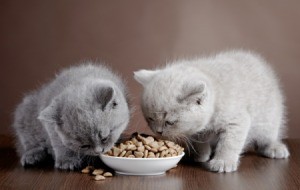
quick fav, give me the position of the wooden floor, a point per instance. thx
(254, 173)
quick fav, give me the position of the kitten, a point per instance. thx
(230, 100)
(81, 112)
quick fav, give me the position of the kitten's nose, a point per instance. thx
(98, 150)
(159, 129)
(103, 136)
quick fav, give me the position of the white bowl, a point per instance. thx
(140, 166)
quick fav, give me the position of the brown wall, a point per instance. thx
(37, 38)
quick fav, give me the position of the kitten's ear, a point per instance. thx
(193, 89)
(51, 114)
(144, 76)
(103, 95)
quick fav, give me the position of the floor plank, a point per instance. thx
(255, 172)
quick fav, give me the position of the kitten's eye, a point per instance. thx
(198, 101)
(104, 140)
(169, 123)
(114, 104)
(150, 119)
(87, 146)
(60, 122)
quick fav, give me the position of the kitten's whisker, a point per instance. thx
(190, 143)
(181, 138)
(197, 140)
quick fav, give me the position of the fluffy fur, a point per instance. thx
(81, 112)
(226, 101)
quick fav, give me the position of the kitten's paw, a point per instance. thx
(277, 150)
(220, 165)
(33, 156)
(67, 164)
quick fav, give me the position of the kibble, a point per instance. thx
(151, 155)
(85, 171)
(162, 148)
(123, 146)
(138, 154)
(146, 153)
(157, 155)
(99, 177)
(107, 174)
(154, 150)
(154, 144)
(140, 146)
(100, 174)
(141, 149)
(147, 147)
(123, 153)
(131, 147)
(116, 151)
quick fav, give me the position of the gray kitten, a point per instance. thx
(83, 111)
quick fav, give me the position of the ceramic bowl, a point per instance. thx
(140, 166)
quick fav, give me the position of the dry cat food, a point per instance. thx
(99, 174)
(140, 146)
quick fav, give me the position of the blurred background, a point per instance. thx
(38, 38)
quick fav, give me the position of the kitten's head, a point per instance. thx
(88, 119)
(174, 102)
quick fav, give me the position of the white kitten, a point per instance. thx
(234, 94)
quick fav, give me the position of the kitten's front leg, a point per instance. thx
(203, 152)
(229, 147)
(66, 159)
(203, 146)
